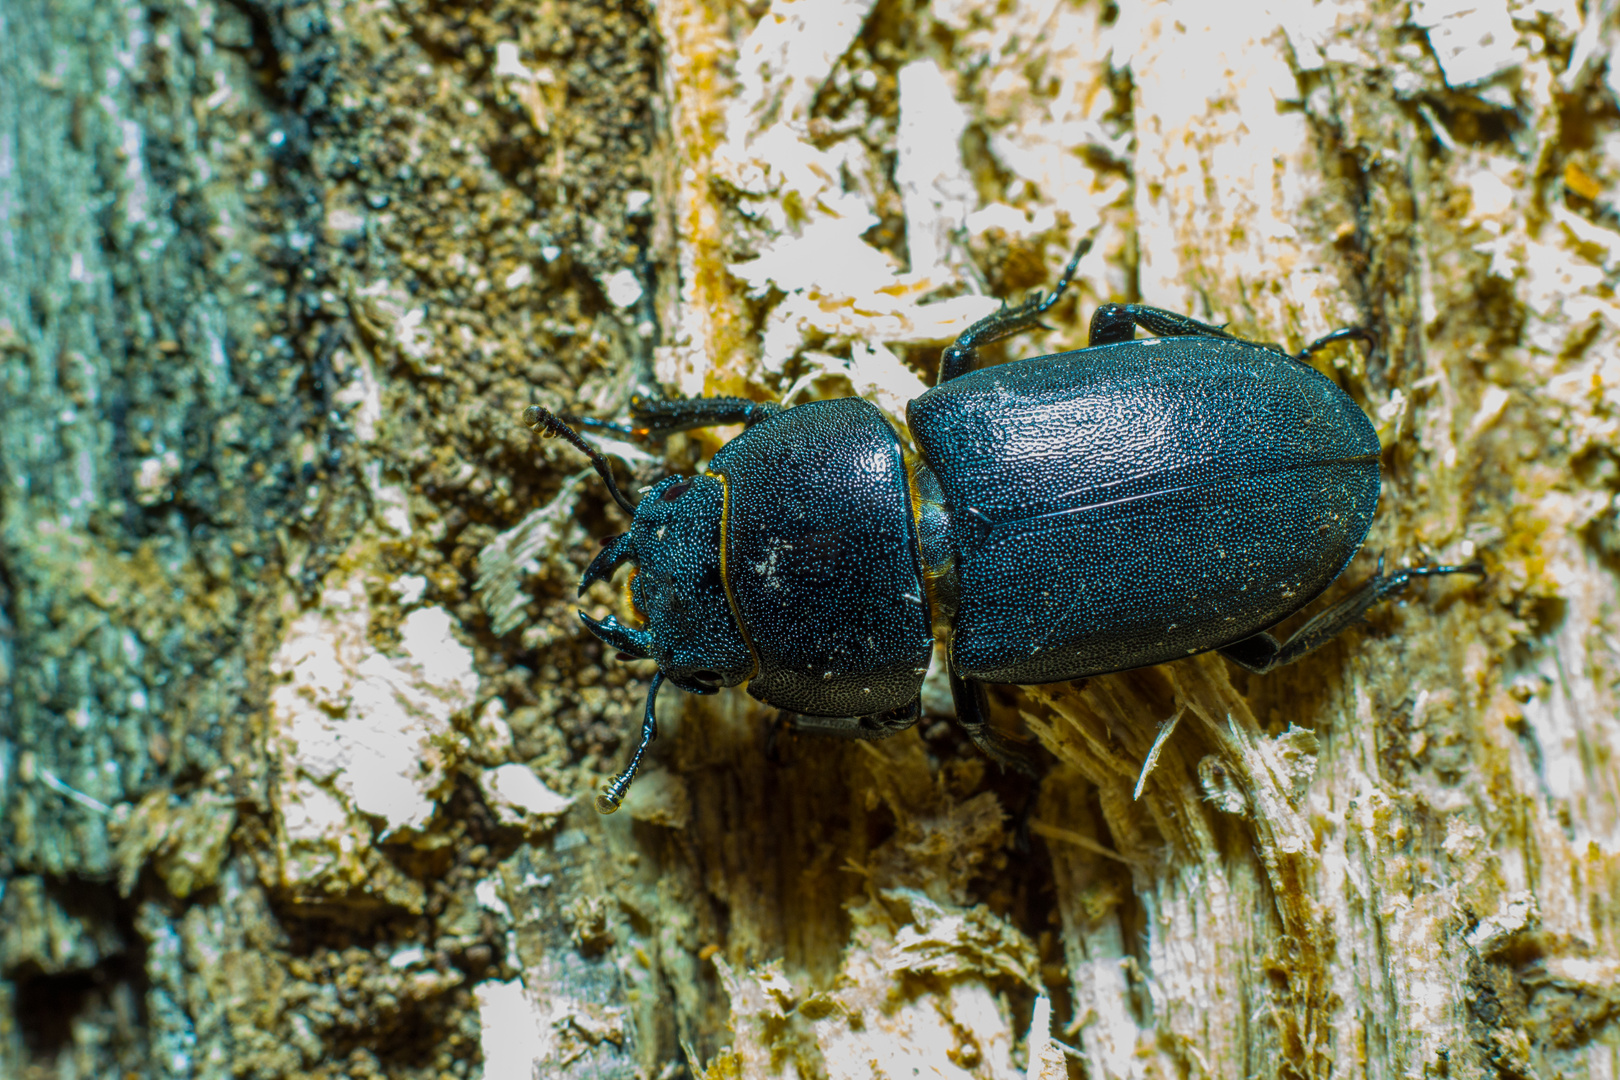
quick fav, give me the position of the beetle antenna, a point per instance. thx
(551, 427)
(613, 795)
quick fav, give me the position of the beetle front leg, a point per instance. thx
(1262, 653)
(972, 713)
(611, 797)
(653, 418)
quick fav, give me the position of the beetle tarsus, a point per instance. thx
(1262, 653)
(624, 431)
(612, 797)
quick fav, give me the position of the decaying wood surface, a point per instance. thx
(300, 730)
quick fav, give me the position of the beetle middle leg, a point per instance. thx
(1263, 653)
(962, 355)
(973, 715)
(1114, 323)
(876, 726)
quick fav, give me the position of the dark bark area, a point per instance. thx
(157, 395)
(211, 219)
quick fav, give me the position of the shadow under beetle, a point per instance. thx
(1113, 507)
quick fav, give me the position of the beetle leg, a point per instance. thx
(876, 726)
(656, 417)
(1113, 323)
(1263, 653)
(972, 713)
(962, 355)
(782, 721)
(588, 423)
(613, 795)
(1344, 333)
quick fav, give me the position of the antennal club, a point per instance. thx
(551, 427)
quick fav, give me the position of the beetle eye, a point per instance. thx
(675, 491)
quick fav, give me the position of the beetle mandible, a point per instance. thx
(1112, 507)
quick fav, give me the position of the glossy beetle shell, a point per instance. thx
(820, 560)
(1128, 504)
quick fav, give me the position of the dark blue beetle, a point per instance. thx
(1114, 507)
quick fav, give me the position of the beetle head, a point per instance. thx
(677, 588)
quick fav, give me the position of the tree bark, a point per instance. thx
(301, 730)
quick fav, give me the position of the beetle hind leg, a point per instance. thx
(1344, 333)
(1262, 653)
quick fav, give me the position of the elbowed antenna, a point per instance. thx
(551, 426)
(613, 795)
